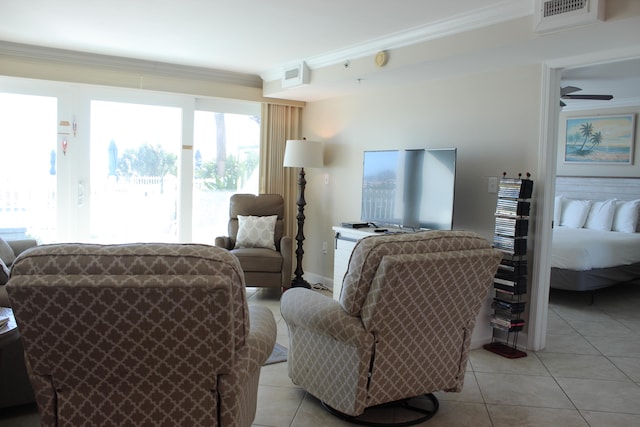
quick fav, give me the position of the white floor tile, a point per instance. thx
(601, 395)
(522, 390)
(581, 366)
(486, 361)
(526, 416)
(608, 419)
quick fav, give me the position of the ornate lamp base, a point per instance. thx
(299, 282)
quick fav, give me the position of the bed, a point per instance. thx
(596, 238)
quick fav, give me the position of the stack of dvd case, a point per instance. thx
(515, 188)
(510, 280)
(511, 276)
(512, 215)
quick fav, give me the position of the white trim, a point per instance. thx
(494, 14)
(128, 64)
(549, 118)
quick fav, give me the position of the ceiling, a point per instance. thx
(260, 38)
(246, 36)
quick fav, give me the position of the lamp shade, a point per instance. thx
(299, 153)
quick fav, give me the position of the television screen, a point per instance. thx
(409, 188)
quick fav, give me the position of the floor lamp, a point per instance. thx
(301, 154)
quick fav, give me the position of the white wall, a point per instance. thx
(492, 118)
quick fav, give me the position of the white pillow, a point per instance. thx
(601, 215)
(256, 231)
(574, 213)
(625, 218)
(557, 210)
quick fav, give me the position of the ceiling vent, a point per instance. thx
(295, 76)
(553, 15)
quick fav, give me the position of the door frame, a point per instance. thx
(545, 185)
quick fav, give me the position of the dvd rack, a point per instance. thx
(510, 282)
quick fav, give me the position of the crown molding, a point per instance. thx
(474, 19)
(128, 64)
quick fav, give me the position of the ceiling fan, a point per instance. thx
(568, 91)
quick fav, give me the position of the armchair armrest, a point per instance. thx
(262, 334)
(238, 388)
(316, 312)
(286, 244)
(286, 250)
(22, 245)
(258, 344)
(223, 242)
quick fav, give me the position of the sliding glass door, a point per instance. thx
(134, 172)
(110, 165)
(226, 153)
(28, 195)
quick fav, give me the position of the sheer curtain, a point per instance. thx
(280, 123)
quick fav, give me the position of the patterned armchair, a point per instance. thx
(403, 325)
(266, 259)
(140, 334)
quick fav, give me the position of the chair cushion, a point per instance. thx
(259, 259)
(4, 274)
(6, 253)
(368, 252)
(256, 231)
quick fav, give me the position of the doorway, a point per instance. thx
(552, 75)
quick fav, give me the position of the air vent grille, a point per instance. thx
(296, 75)
(556, 7)
(554, 15)
(292, 73)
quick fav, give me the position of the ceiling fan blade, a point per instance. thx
(568, 89)
(596, 97)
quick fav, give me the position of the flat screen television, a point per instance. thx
(409, 188)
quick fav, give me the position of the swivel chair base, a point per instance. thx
(425, 407)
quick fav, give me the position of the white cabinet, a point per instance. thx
(345, 241)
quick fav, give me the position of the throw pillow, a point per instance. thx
(6, 253)
(574, 213)
(601, 215)
(625, 218)
(256, 231)
(4, 273)
(557, 210)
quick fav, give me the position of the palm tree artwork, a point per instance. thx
(586, 130)
(595, 139)
(600, 139)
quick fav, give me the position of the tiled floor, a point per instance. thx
(589, 374)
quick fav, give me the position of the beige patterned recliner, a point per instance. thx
(262, 267)
(403, 325)
(140, 335)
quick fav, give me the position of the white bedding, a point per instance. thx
(583, 249)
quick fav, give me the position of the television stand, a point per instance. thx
(345, 240)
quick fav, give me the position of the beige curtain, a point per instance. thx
(280, 123)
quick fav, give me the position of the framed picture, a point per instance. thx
(600, 139)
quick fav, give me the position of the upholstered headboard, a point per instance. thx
(598, 188)
(586, 190)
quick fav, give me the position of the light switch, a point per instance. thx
(492, 184)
